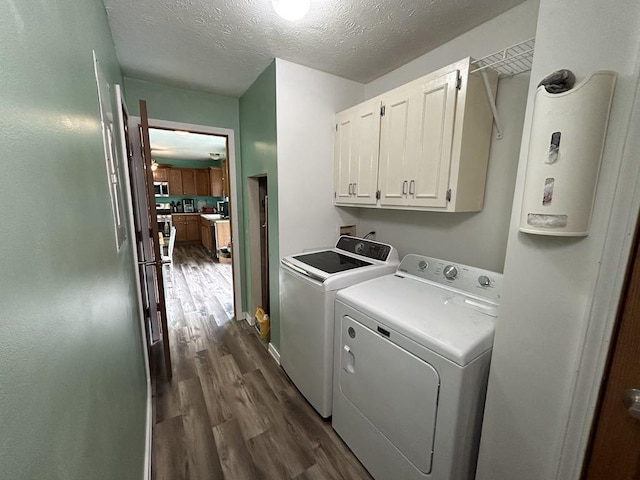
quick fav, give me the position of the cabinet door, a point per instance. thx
(174, 177)
(342, 157)
(181, 230)
(430, 144)
(193, 229)
(161, 174)
(394, 154)
(188, 182)
(202, 182)
(356, 154)
(216, 178)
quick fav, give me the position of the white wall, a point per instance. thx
(477, 239)
(553, 286)
(306, 103)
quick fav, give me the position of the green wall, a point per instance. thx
(72, 384)
(258, 143)
(176, 104)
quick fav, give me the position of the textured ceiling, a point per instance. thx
(222, 46)
(186, 146)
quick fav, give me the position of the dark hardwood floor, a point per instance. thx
(230, 412)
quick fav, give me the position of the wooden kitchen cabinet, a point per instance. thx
(202, 181)
(216, 182)
(434, 137)
(188, 182)
(174, 177)
(187, 228)
(161, 174)
(193, 228)
(180, 222)
(206, 235)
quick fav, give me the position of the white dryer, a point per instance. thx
(411, 366)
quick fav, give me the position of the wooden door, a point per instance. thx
(174, 177)
(430, 141)
(394, 156)
(202, 182)
(188, 181)
(615, 443)
(160, 306)
(147, 295)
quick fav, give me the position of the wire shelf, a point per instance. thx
(510, 61)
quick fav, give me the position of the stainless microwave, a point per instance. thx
(161, 189)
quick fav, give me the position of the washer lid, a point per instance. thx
(444, 321)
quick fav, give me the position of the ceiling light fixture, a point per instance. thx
(291, 10)
(154, 165)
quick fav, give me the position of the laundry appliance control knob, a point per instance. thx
(450, 272)
(484, 280)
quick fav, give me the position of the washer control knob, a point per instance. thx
(359, 248)
(484, 280)
(450, 272)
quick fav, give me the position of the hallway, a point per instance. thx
(230, 411)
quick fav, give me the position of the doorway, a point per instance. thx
(222, 172)
(258, 210)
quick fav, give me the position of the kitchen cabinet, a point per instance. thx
(187, 228)
(188, 181)
(217, 182)
(432, 145)
(202, 181)
(206, 235)
(161, 174)
(356, 154)
(174, 177)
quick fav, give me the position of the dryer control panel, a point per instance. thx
(465, 278)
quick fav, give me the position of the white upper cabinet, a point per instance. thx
(356, 154)
(434, 136)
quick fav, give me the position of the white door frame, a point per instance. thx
(233, 195)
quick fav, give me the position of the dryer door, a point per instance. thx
(395, 390)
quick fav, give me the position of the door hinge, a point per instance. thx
(449, 195)
(377, 194)
(459, 83)
(382, 110)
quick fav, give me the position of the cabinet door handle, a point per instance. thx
(412, 187)
(404, 187)
(355, 189)
(350, 188)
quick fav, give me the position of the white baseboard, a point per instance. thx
(274, 353)
(147, 449)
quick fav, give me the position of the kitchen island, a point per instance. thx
(215, 234)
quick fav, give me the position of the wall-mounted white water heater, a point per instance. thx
(567, 139)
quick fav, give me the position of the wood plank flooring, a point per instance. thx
(230, 412)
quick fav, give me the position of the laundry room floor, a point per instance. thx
(230, 412)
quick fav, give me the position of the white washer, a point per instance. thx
(308, 286)
(411, 365)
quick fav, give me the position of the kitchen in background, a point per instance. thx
(192, 189)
